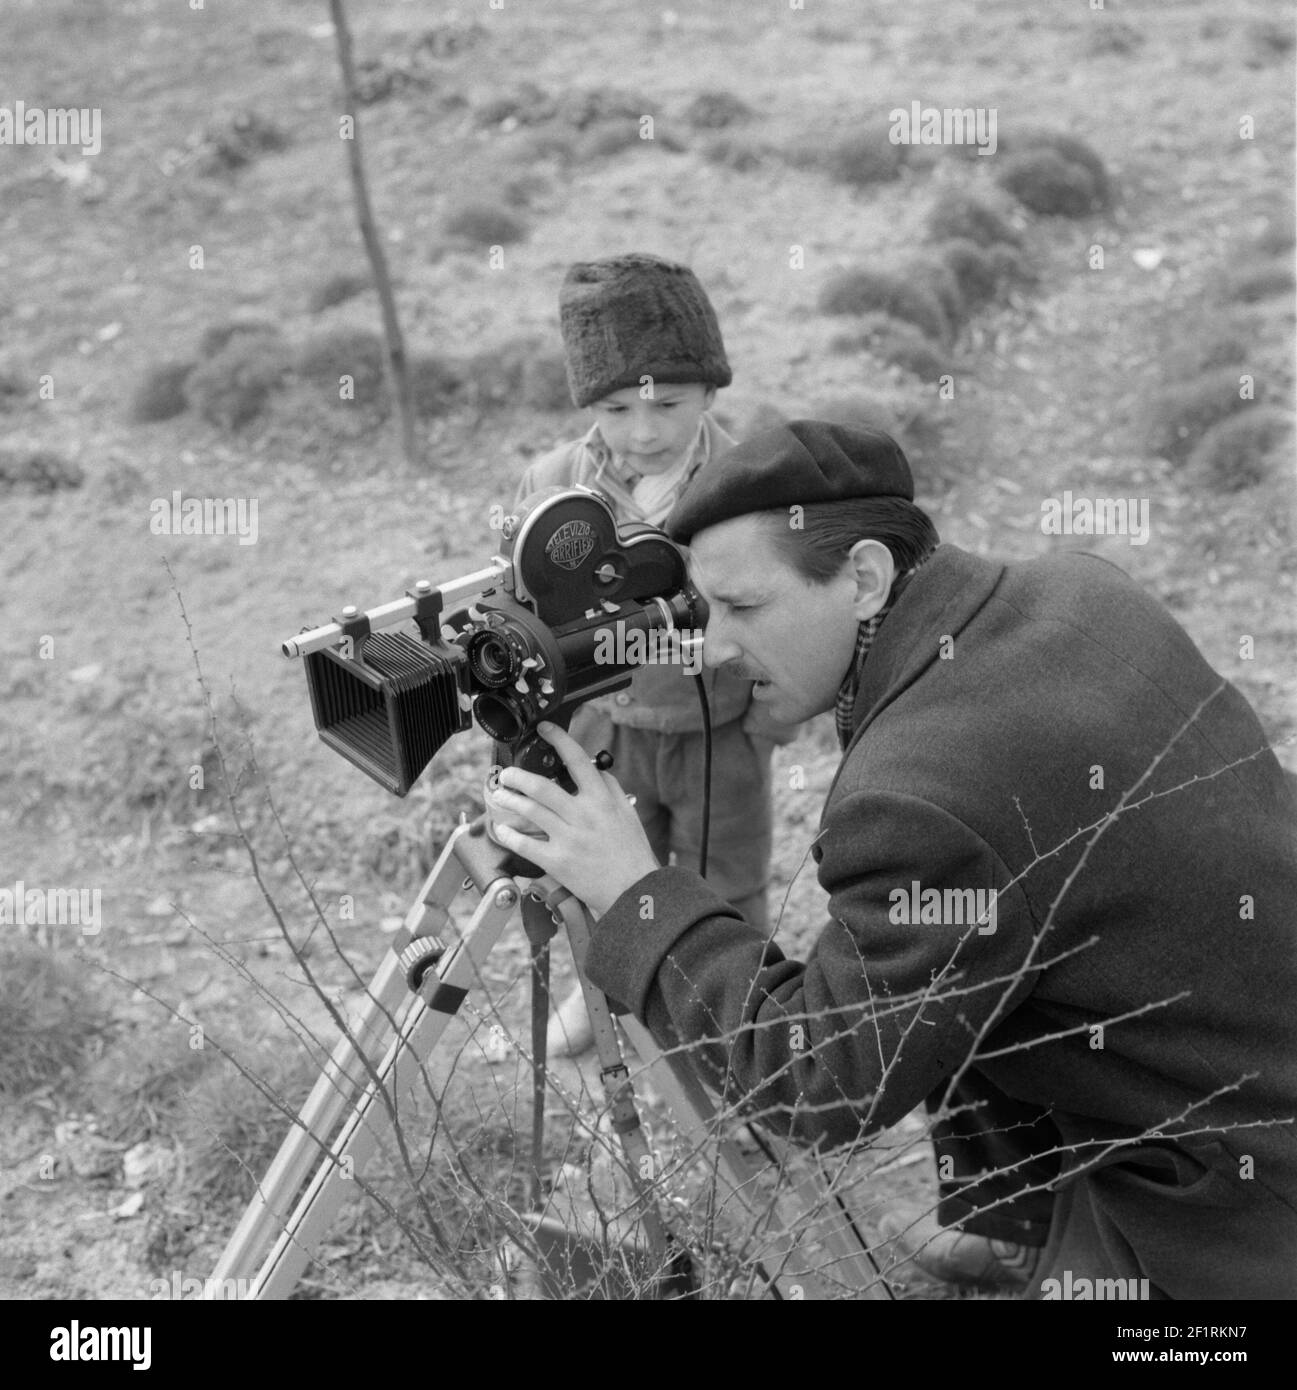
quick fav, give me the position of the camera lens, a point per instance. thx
(490, 659)
(498, 717)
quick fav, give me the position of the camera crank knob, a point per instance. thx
(419, 957)
(603, 760)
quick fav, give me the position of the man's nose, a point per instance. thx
(717, 647)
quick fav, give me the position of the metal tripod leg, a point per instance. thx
(299, 1232)
(342, 1079)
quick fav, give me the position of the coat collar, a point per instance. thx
(941, 600)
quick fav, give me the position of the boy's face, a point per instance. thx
(652, 436)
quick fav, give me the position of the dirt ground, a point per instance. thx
(126, 1151)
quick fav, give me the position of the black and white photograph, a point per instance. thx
(649, 654)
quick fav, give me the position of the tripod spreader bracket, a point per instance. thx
(419, 957)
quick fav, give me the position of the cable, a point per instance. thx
(707, 775)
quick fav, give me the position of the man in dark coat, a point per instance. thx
(1062, 873)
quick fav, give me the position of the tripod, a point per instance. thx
(417, 989)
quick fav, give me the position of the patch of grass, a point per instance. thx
(1180, 415)
(230, 1130)
(51, 1015)
(236, 141)
(717, 111)
(435, 384)
(13, 388)
(892, 340)
(1068, 147)
(24, 468)
(1113, 36)
(544, 384)
(863, 158)
(355, 352)
(942, 281)
(161, 393)
(484, 224)
(219, 335)
(338, 288)
(1046, 183)
(1242, 450)
(1250, 284)
(526, 104)
(233, 388)
(582, 109)
(1269, 41)
(609, 138)
(1215, 340)
(734, 152)
(973, 269)
(957, 215)
(1278, 231)
(866, 291)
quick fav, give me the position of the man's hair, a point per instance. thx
(817, 539)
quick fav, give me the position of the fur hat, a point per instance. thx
(803, 461)
(633, 316)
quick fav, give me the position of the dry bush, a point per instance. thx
(435, 384)
(234, 386)
(1046, 183)
(734, 152)
(26, 468)
(973, 269)
(355, 352)
(161, 393)
(338, 288)
(717, 111)
(1180, 415)
(1113, 36)
(484, 224)
(892, 340)
(1215, 340)
(13, 388)
(218, 336)
(863, 158)
(236, 141)
(1243, 449)
(866, 291)
(1030, 139)
(958, 215)
(1251, 284)
(936, 275)
(544, 384)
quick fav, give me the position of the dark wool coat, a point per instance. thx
(1004, 712)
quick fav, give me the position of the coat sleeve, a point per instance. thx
(882, 1009)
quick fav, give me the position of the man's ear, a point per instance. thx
(873, 569)
(709, 395)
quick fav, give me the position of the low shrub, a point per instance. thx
(964, 216)
(865, 291)
(161, 392)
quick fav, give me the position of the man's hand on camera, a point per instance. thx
(597, 847)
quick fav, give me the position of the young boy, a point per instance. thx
(644, 354)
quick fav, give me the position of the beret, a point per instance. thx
(801, 462)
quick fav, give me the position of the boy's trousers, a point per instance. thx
(664, 773)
